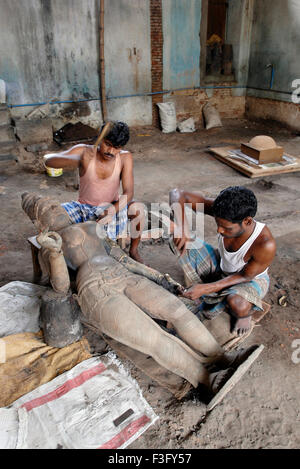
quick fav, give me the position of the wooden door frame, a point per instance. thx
(203, 38)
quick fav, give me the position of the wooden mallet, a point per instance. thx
(105, 131)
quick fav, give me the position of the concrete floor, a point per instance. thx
(262, 411)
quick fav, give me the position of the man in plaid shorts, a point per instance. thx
(233, 277)
(101, 170)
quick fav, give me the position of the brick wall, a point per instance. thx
(188, 103)
(156, 56)
(285, 112)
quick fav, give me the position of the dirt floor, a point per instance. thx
(262, 411)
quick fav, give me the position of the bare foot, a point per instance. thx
(242, 326)
(136, 257)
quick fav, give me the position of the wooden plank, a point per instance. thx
(221, 154)
(235, 378)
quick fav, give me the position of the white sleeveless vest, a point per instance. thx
(232, 262)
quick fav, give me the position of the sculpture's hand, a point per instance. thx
(197, 291)
(50, 240)
(171, 285)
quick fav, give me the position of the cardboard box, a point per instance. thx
(270, 155)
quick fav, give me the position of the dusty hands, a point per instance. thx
(180, 238)
(197, 291)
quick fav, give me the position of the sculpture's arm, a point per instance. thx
(51, 243)
(164, 280)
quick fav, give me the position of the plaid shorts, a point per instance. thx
(80, 213)
(200, 263)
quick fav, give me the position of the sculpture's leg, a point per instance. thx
(119, 318)
(160, 304)
(60, 319)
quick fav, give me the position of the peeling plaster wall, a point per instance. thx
(281, 111)
(181, 50)
(275, 40)
(181, 56)
(240, 16)
(49, 50)
(128, 60)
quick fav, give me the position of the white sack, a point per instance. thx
(9, 428)
(167, 114)
(211, 117)
(80, 409)
(20, 307)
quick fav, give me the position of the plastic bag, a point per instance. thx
(187, 125)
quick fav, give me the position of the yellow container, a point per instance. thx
(54, 172)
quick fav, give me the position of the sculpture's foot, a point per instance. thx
(218, 379)
(225, 383)
(236, 357)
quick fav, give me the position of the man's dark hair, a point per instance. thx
(235, 204)
(119, 134)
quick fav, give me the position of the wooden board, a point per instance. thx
(235, 378)
(251, 171)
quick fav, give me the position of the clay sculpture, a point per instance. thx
(121, 302)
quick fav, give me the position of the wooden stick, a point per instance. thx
(106, 129)
(102, 62)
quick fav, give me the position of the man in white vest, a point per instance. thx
(233, 277)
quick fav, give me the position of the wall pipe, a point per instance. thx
(269, 90)
(271, 66)
(148, 94)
